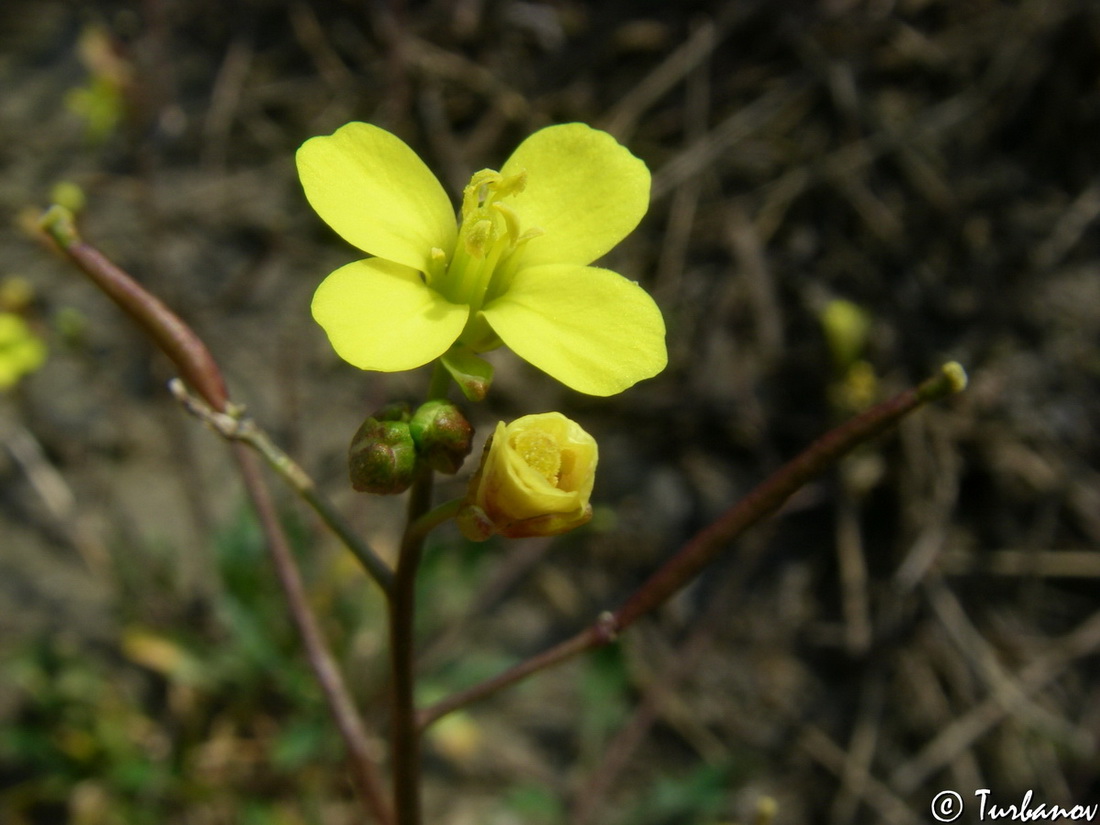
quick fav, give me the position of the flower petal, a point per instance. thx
(381, 316)
(377, 194)
(584, 190)
(589, 328)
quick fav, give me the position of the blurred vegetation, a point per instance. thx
(925, 618)
(201, 707)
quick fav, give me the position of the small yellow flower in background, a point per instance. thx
(21, 351)
(70, 195)
(102, 101)
(535, 479)
(16, 294)
(846, 326)
(856, 389)
(458, 737)
(515, 270)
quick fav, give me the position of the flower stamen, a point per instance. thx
(541, 452)
(489, 234)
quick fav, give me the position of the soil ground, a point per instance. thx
(925, 618)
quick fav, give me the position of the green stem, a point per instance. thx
(420, 528)
(292, 472)
(235, 428)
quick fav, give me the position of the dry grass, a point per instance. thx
(925, 619)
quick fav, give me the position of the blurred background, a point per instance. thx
(845, 195)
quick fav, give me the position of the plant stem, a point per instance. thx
(405, 732)
(198, 368)
(191, 356)
(768, 496)
(405, 729)
(367, 781)
(236, 428)
(706, 545)
(420, 528)
(174, 338)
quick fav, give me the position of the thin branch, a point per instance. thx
(701, 550)
(195, 363)
(340, 704)
(198, 368)
(419, 529)
(597, 635)
(234, 427)
(174, 338)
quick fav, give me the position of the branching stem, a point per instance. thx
(235, 427)
(195, 363)
(701, 550)
(348, 722)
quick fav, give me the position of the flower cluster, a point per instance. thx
(514, 269)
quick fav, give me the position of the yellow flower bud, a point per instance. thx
(535, 479)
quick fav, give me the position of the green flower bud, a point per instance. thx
(442, 435)
(382, 457)
(394, 411)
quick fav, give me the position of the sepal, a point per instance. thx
(471, 372)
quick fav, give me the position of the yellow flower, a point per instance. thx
(847, 327)
(535, 479)
(21, 351)
(515, 270)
